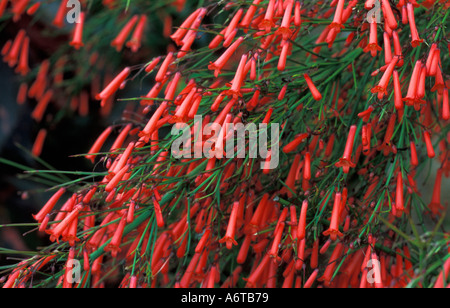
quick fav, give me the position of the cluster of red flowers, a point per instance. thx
(227, 218)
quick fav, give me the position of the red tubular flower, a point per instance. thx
(32, 10)
(84, 104)
(65, 209)
(114, 85)
(429, 144)
(253, 225)
(231, 229)
(421, 85)
(430, 57)
(314, 261)
(411, 98)
(373, 46)
(114, 244)
(190, 36)
(366, 138)
(88, 197)
(348, 11)
(218, 65)
(181, 113)
(70, 233)
(18, 9)
(116, 179)
(233, 23)
(151, 66)
(266, 168)
(14, 51)
(301, 230)
(218, 39)
(255, 276)
(445, 106)
(267, 23)
(377, 271)
(68, 268)
(248, 17)
(121, 138)
(365, 115)
(332, 263)
(397, 48)
(325, 247)
(3, 4)
(243, 251)
(238, 80)
(278, 233)
(135, 42)
(161, 158)
(414, 158)
(266, 119)
(171, 89)
(337, 20)
(315, 93)
(284, 29)
(180, 33)
(439, 84)
(384, 82)
(387, 48)
(120, 39)
(195, 105)
(164, 67)
(39, 143)
(291, 146)
(133, 282)
(65, 223)
(202, 243)
(187, 277)
(98, 144)
(6, 47)
(346, 161)
(415, 39)
(22, 93)
(307, 170)
(48, 207)
(386, 146)
(388, 14)
(331, 37)
(253, 73)
(290, 180)
(123, 159)
(369, 4)
(77, 40)
(297, 14)
(398, 99)
(22, 67)
(312, 278)
(399, 204)
(58, 21)
(39, 111)
(440, 282)
(333, 231)
(435, 63)
(435, 205)
(404, 14)
(283, 56)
